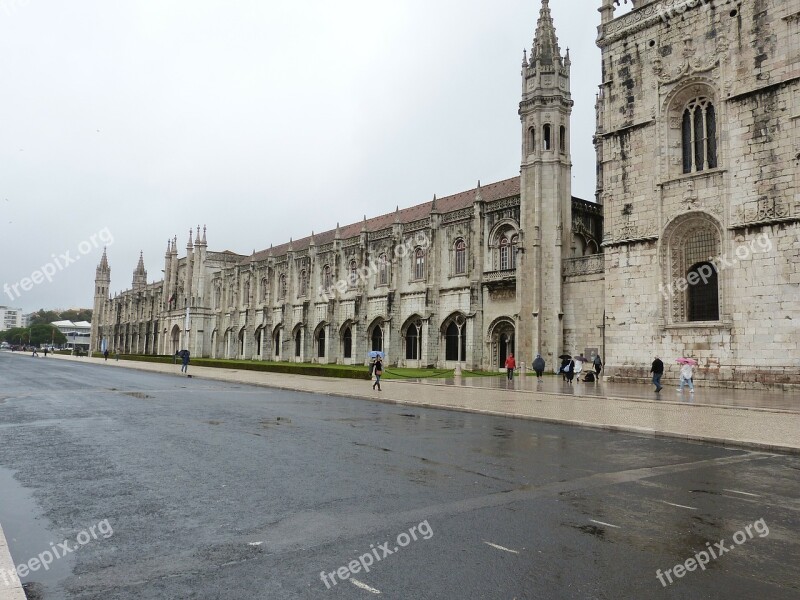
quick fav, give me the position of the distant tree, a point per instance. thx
(83, 314)
(45, 317)
(42, 335)
(38, 335)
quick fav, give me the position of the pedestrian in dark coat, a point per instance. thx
(598, 365)
(569, 370)
(184, 361)
(538, 366)
(657, 369)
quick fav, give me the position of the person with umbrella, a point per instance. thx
(687, 373)
(377, 369)
(564, 369)
(578, 368)
(185, 361)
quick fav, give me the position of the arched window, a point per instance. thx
(460, 257)
(383, 270)
(282, 286)
(298, 343)
(264, 290)
(352, 274)
(419, 264)
(326, 277)
(218, 297)
(321, 343)
(347, 343)
(703, 293)
(547, 142)
(505, 253)
(531, 140)
(699, 136)
(246, 292)
(377, 338)
(303, 282)
(413, 342)
(562, 140)
(692, 289)
(277, 341)
(455, 343)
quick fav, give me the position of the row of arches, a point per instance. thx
(453, 341)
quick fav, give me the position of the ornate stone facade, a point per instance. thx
(697, 144)
(691, 248)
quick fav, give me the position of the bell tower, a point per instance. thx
(545, 193)
(102, 283)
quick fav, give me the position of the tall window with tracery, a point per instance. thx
(264, 289)
(282, 286)
(303, 282)
(699, 136)
(352, 274)
(460, 257)
(419, 264)
(326, 277)
(383, 270)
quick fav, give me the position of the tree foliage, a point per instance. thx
(38, 335)
(45, 317)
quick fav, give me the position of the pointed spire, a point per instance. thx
(545, 48)
(478, 195)
(197, 238)
(397, 214)
(433, 204)
(312, 241)
(364, 224)
(103, 261)
(524, 57)
(204, 235)
(337, 234)
(291, 245)
(189, 243)
(140, 266)
(269, 254)
(174, 245)
(253, 256)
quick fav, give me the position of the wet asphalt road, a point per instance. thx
(216, 490)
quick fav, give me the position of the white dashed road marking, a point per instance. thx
(743, 493)
(364, 586)
(679, 505)
(606, 524)
(500, 547)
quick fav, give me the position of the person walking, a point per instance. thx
(185, 361)
(511, 364)
(577, 368)
(377, 369)
(598, 366)
(569, 370)
(45, 351)
(105, 354)
(687, 376)
(657, 369)
(538, 366)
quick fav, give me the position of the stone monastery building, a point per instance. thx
(691, 247)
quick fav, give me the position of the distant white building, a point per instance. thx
(77, 333)
(10, 318)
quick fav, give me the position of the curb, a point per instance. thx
(707, 439)
(10, 585)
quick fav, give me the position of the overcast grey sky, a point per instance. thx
(262, 119)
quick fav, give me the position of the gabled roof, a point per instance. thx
(493, 191)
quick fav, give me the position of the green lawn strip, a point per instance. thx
(320, 370)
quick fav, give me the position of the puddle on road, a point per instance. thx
(28, 535)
